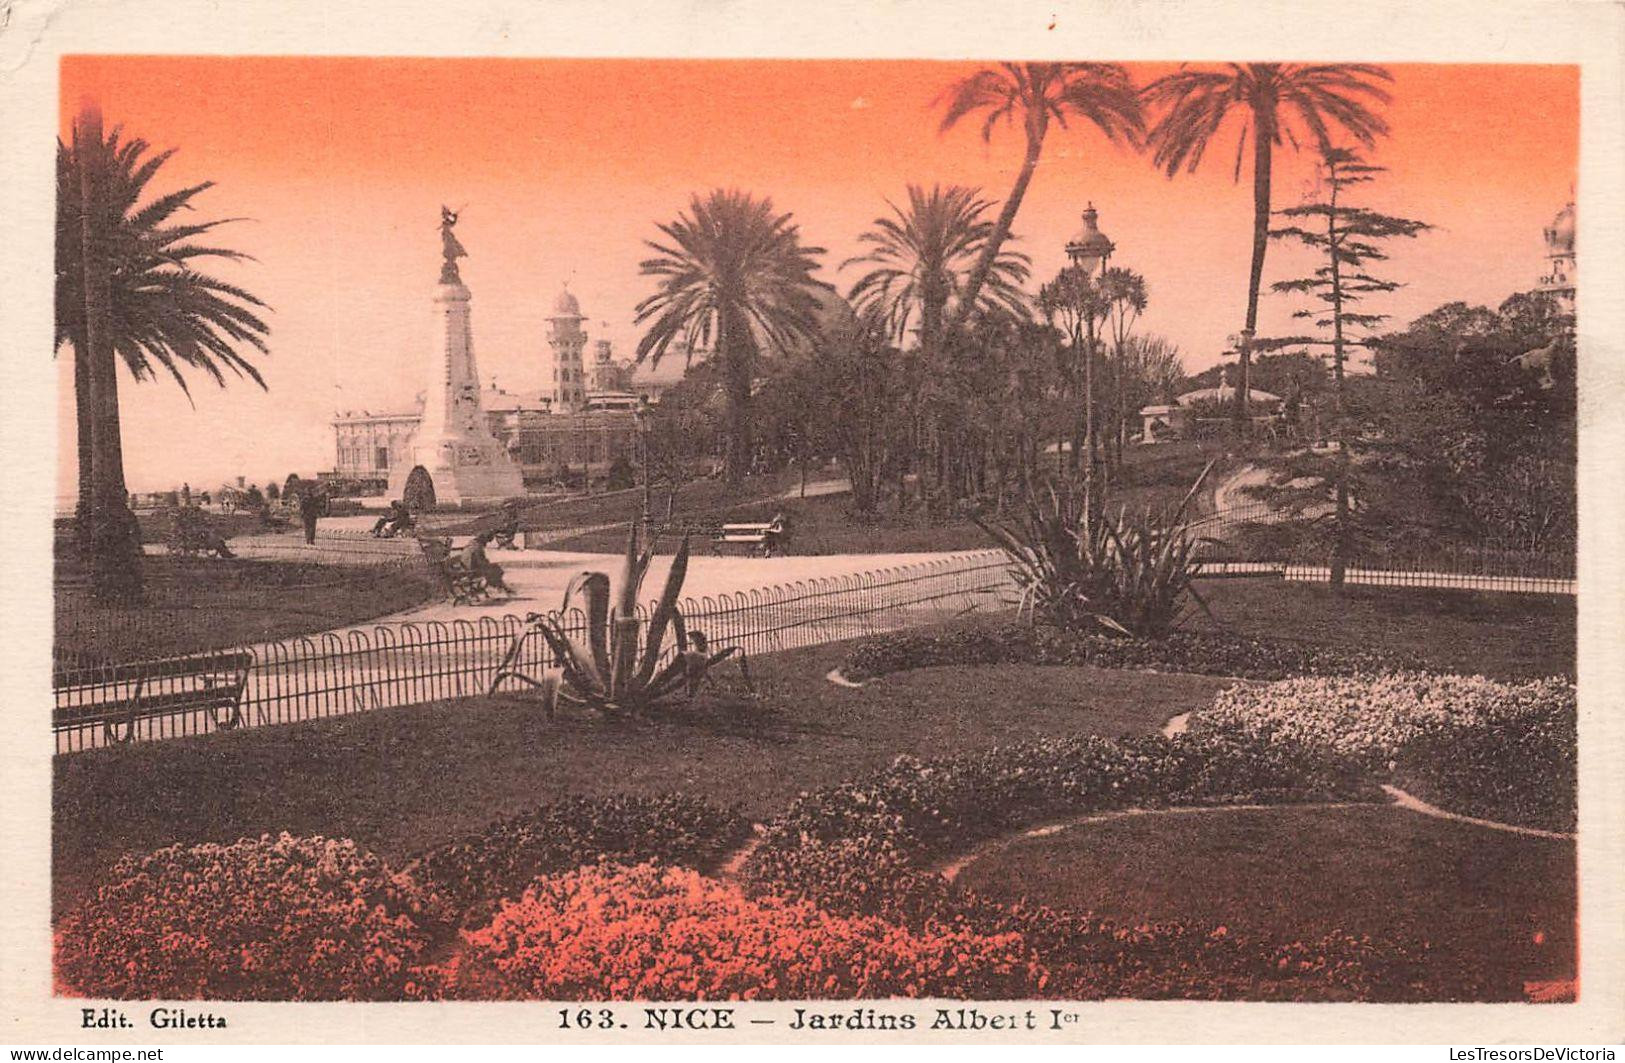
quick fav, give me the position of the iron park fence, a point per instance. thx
(390, 665)
(1257, 539)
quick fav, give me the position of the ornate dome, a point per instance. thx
(566, 304)
(1560, 234)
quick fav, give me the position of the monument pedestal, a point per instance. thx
(453, 443)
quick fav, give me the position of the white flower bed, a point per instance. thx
(1492, 747)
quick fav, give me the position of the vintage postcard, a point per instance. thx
(965, 523)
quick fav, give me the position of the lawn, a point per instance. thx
(623, 505)
(1483, 899)
(822, 524)
(402, 780)
(1504, 636)
(195, 604)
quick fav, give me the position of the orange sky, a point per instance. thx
(565, 166)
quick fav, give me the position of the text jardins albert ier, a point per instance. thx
(807, 1019)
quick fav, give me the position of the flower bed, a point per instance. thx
(1502, 751)
(269, 919)
(464, 880)
(866, 850)
(1201, 653)
(661, 933)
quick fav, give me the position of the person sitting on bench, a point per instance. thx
(507, 528)
(473, 559)
(397, 521)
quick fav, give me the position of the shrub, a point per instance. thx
(620, 475)
(190, 531)
(1085, 569)
(418, 491)
(662, 933)
(619, 664)
(1201, 653)
(1502, 750)
(930, 808)
(280, 918)
(463, 880)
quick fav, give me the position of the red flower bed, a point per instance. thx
(662, 933)
(268, 919)
(464, 879)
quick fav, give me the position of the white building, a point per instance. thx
(573, 422)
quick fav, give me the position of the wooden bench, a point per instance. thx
(120, 696)
(764, 537)
(457, 580)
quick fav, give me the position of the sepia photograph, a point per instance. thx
(689, 532)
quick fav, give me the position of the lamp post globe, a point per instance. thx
(1089, 247)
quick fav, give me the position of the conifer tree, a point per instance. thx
(1349, 239)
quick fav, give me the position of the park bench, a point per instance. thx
(461, 584)
(764, 537)
(120, 696)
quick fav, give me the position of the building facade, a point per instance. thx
(1561, 274)
(579, 420)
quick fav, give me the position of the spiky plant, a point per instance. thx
(616, 667)
(1078, 567)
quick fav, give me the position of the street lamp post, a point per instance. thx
(1089, 251)
(641, 415)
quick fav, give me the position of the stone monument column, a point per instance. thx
(453, 442)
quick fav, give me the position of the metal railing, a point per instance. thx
(1256, 538)
(389, 665)
(86, 634)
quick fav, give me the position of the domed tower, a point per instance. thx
(1560, 276)
(566, 338)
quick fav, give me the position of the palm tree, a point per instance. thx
(1075, 303)
(1274, 103)
(1035, 94)
(127, 289)
(919, 258)
(1124, 292)
(733, 274)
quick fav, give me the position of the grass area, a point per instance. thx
(155, 525)
(402, 780)
(695, 497)
(1505, 636)
(821, 524)
(1158, 475)
(1151, 476)
(196, 604)
(1484, 900)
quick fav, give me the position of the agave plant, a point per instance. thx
(1078, 567)
(616, 667)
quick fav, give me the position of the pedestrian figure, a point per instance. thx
(312, 505)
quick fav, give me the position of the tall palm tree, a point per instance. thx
(1036, 94)
(127, 289)
(733, 275)
(1274, 103)
(1075, 302)
(920, 257)
(1125, 295)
